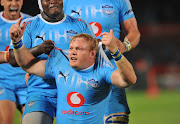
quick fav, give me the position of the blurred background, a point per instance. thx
(155, 98)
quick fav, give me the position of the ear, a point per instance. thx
(93, 54)
(2, 2)
(22, 2)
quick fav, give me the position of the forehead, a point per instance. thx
(79, 41)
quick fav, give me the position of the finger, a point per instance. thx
(49, 42)
(23, 26)
(103, 38)
(104, 33)
(111, 31)
(48, 46)
(19, 21)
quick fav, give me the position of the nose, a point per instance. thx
(72, 51)
(13, 2)
(52, 1)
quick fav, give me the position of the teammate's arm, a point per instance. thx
(125, 75)
(45, 47)
(29, 63)
(132, 35)
(4, 56)
(23, 57)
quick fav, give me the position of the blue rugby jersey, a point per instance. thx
(83, 96)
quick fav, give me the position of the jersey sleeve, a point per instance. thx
(126, 11)
(49, 71)
(56, 57)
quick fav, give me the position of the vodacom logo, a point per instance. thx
(75, 99)
(97, 28)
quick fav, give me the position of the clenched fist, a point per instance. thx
(47, 46)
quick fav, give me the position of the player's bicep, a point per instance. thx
(38, 68)
(129, 25)
(117, 80)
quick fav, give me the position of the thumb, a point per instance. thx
(111, 31)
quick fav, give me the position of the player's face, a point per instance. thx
(80, 55)
(12, 8)
(53, 8)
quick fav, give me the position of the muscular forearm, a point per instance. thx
(24, 58)
(132, 34)
(126, 71)
(28, 62)
(35, 51)
(134, 38)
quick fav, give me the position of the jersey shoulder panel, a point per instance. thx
(78, 21)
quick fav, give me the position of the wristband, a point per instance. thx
(6, 56)
(127, 44)
(117, 56)
(17, 45)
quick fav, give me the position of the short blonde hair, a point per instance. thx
(93, 43)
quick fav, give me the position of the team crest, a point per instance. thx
(71, 34)
(108, 10)
(31, 103)
(93, 84)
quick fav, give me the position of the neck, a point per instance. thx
(52, 19)
(84, 69)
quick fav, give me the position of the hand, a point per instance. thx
(109, 41)
(121, 46)
(47, 46)
(16, 31)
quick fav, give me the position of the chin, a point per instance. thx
(75, 67)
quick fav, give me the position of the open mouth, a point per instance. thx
(52, 7)
(13, 9)
(73, 58)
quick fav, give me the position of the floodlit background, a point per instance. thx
(155, 99)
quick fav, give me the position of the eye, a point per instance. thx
(79, 49)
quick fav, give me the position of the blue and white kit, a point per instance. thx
(12, 82)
